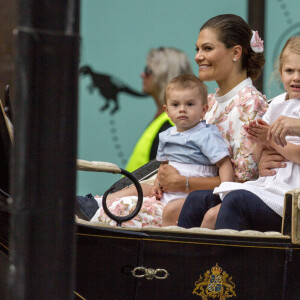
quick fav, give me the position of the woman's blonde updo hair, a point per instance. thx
(232, 30)
(165, 64)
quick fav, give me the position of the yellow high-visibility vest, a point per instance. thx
(141, 152)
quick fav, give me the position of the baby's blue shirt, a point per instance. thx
(201, 145)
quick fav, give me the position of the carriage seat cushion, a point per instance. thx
(196, 231)
(290, 223)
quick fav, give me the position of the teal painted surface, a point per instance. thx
(116, 36)
(282, 21)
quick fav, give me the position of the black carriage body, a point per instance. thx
(259, 267)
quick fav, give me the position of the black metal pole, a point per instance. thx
(43, 163)
(256, 20)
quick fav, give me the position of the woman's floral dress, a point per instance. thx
(229, 113)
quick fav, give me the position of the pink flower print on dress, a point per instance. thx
(260, 106)
(244, 96)
(211, 101)
(120, 209)
(256, 43)
(230, 131)
(128, 224)
(221, 129)
(242, 99)
(229, 107)
(148, 201)
(246, 145)
(242, 170)
(247, 114)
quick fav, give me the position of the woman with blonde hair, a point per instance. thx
(162, 65)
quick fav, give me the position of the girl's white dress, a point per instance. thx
(271, 189)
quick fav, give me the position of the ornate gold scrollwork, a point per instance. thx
(149, 273)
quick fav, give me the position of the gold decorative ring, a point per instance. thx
(277, 132)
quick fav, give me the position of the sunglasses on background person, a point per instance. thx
(147, 71)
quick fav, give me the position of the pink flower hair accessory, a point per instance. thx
(256, 43)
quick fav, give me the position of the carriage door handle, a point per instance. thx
(149, 273)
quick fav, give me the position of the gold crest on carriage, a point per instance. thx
(215, 283)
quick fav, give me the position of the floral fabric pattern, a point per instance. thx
(149, 215)
(229, 114)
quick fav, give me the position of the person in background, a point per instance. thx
(162, 65)
(193, 147)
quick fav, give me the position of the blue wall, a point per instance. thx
(282, 21)
(116, 36)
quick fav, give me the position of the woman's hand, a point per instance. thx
(282, 127)
(270, 159)
(170, 180)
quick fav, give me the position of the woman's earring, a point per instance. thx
(234, 59)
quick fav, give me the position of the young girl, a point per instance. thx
(258, 205)
(193, 147)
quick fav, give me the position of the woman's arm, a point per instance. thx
(171, 181)
(290, 151)
(282, 127)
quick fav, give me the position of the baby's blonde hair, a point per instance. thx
(187, 81)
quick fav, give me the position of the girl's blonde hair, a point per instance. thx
(292, 45)
(165, 64)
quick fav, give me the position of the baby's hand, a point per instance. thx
(156, 191)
